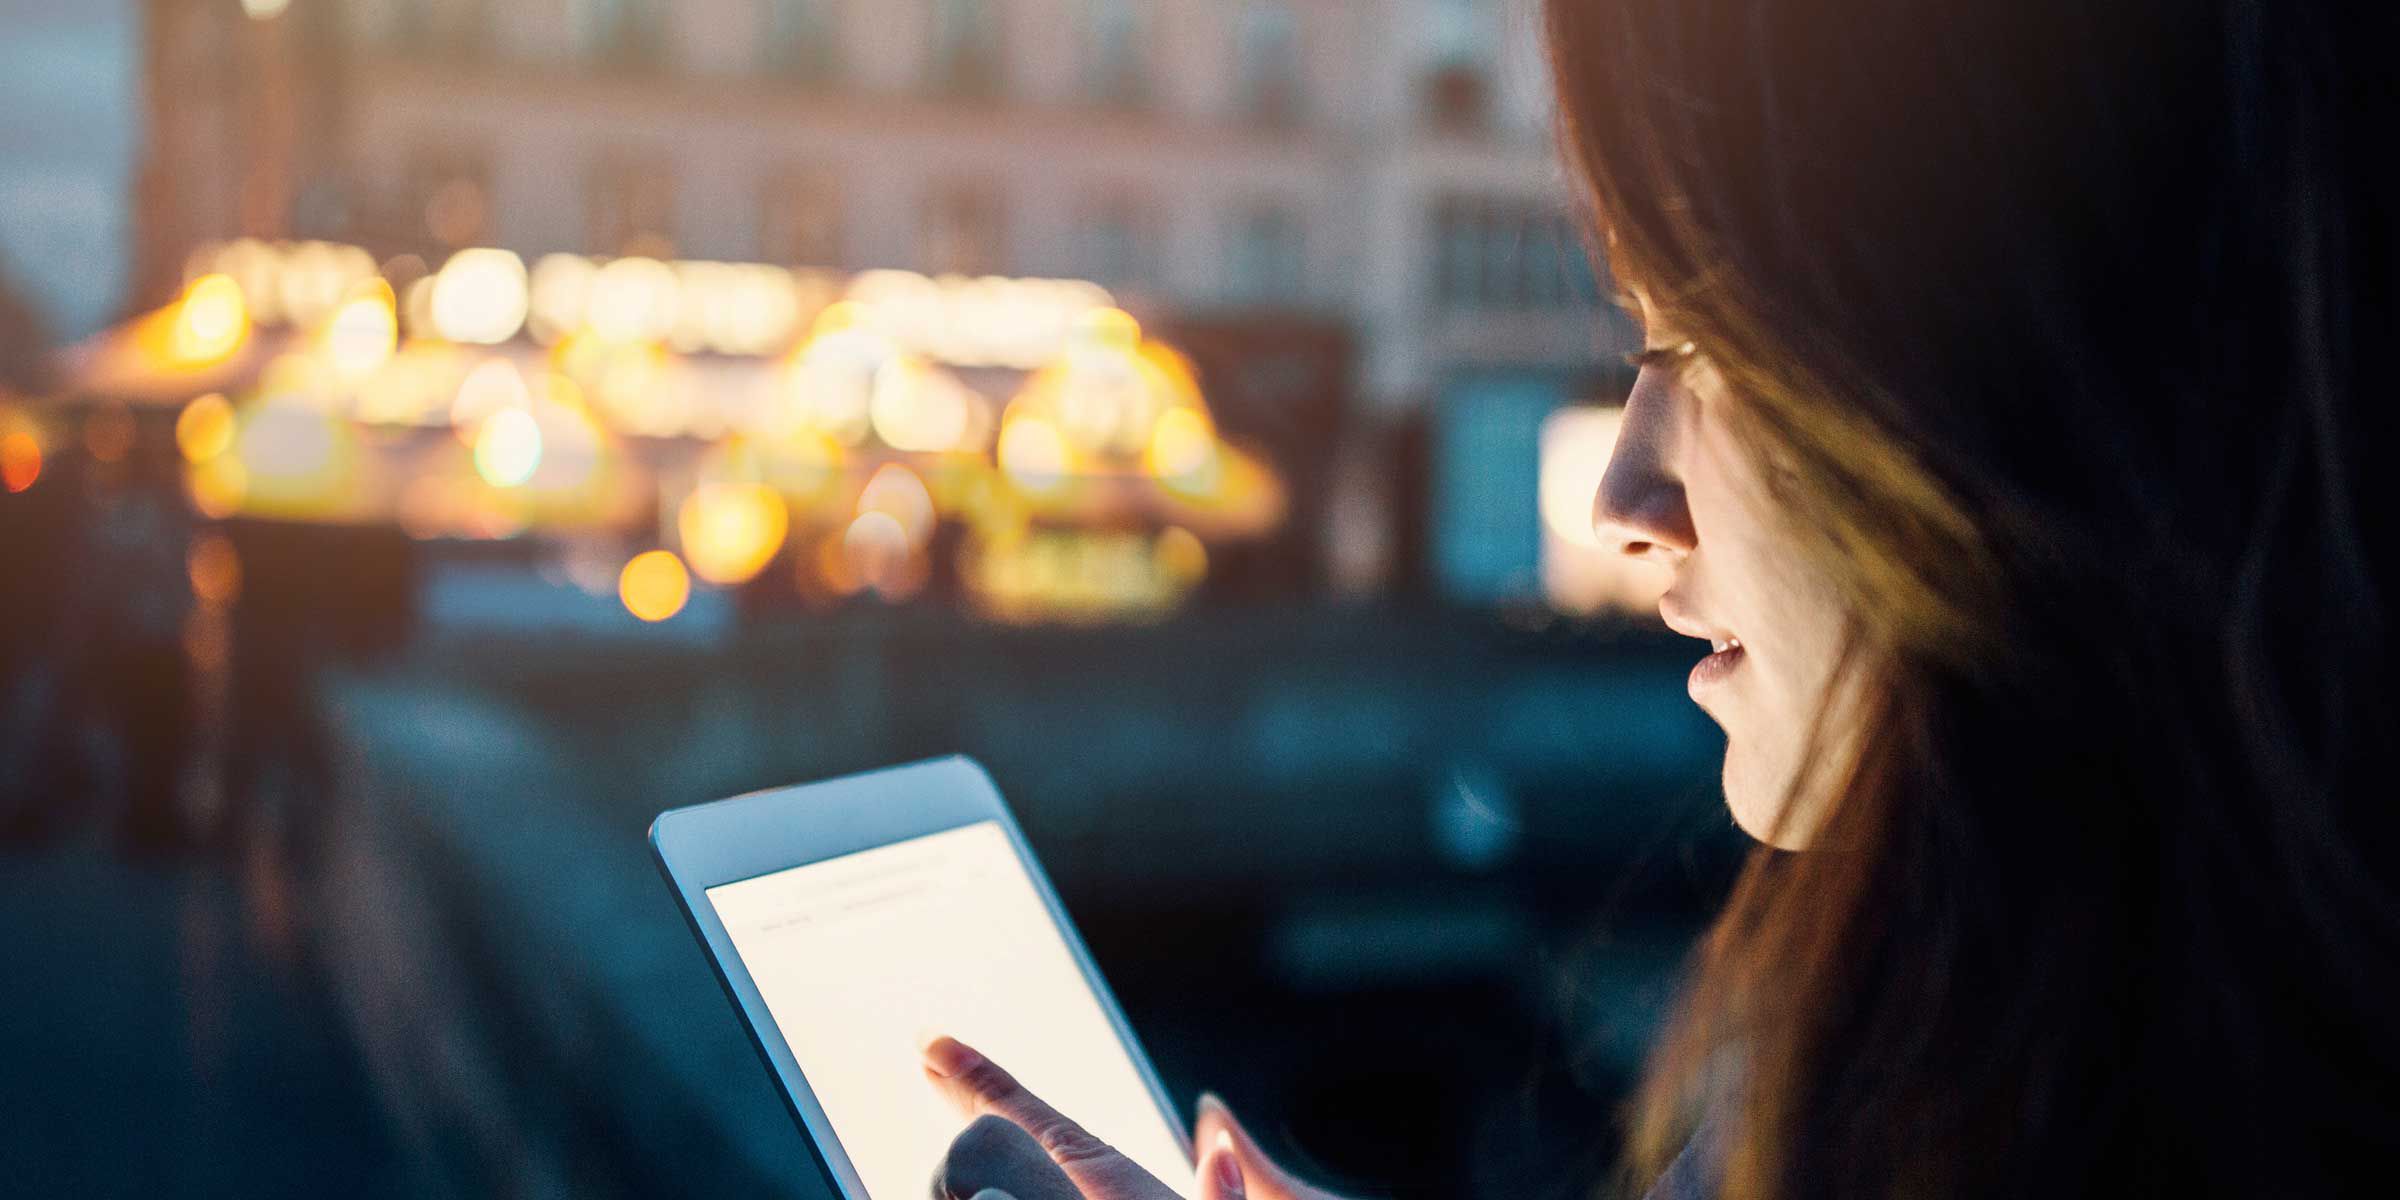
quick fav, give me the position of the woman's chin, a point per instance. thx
(1757, 806)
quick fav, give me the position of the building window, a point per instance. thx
(1266, 266)
(801, 221)
(1267, 62)
(629, 206)
(799, 39)
(622, 33)
(1120, 245)
(961, 233)
(448, 195)
(1116, 65)
(1503, 253)
(966, 48)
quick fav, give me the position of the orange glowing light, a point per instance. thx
(731, 531)
(20, 460)
(214, 569)
(210, 322)
(654, 586)
(205, 428)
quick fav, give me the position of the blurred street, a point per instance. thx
(436, 437)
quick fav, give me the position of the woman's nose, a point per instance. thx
(1640, 508)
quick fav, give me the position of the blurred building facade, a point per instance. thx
(1384, 163)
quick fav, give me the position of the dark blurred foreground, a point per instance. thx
(1404, 886)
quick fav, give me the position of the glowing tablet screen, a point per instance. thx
(861, 958)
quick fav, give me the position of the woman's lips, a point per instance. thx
(1712, 671)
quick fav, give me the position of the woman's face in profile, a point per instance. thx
(1683, 492)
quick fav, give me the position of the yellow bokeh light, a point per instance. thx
(508, 447)
(219, 486)
(481, 296)
(20, 460)
(210, 322)
(731, 531)
(898, 493)
(1182, 445)
(205, 428)
(1033, 454)
(364, 331)
(654, 586)
(1179, 556)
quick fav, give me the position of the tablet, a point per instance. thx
(853, 919)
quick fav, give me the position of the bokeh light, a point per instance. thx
(492, 386)
(1033, 454)
(1179, 556)
(900, 494)
(481, 297)
(20, 460)
(731, 531)
(875, 551)
(508, 448)
(632, 300)
(205, 428)
(210, 322)
(364, 331)
(1182, 445)
(654, 586)
(214, 569)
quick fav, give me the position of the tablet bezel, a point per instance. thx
(727, 841)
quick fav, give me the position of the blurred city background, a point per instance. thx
(437, 435)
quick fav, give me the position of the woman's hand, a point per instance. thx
(1024, 1149)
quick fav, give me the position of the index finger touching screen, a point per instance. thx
(861, 958)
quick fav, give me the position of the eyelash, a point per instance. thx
(1662, 356)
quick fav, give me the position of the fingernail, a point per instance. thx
(1229, 1165)
(950, 1058)
(1209, 1103)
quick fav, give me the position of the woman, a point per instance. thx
(2012, 422)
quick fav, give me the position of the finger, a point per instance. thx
(978, 1087)
(1215, 1128)
(1221, 1169)
(992, 1155)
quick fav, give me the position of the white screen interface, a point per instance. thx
(862, 958)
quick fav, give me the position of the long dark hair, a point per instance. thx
(2067, 330)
